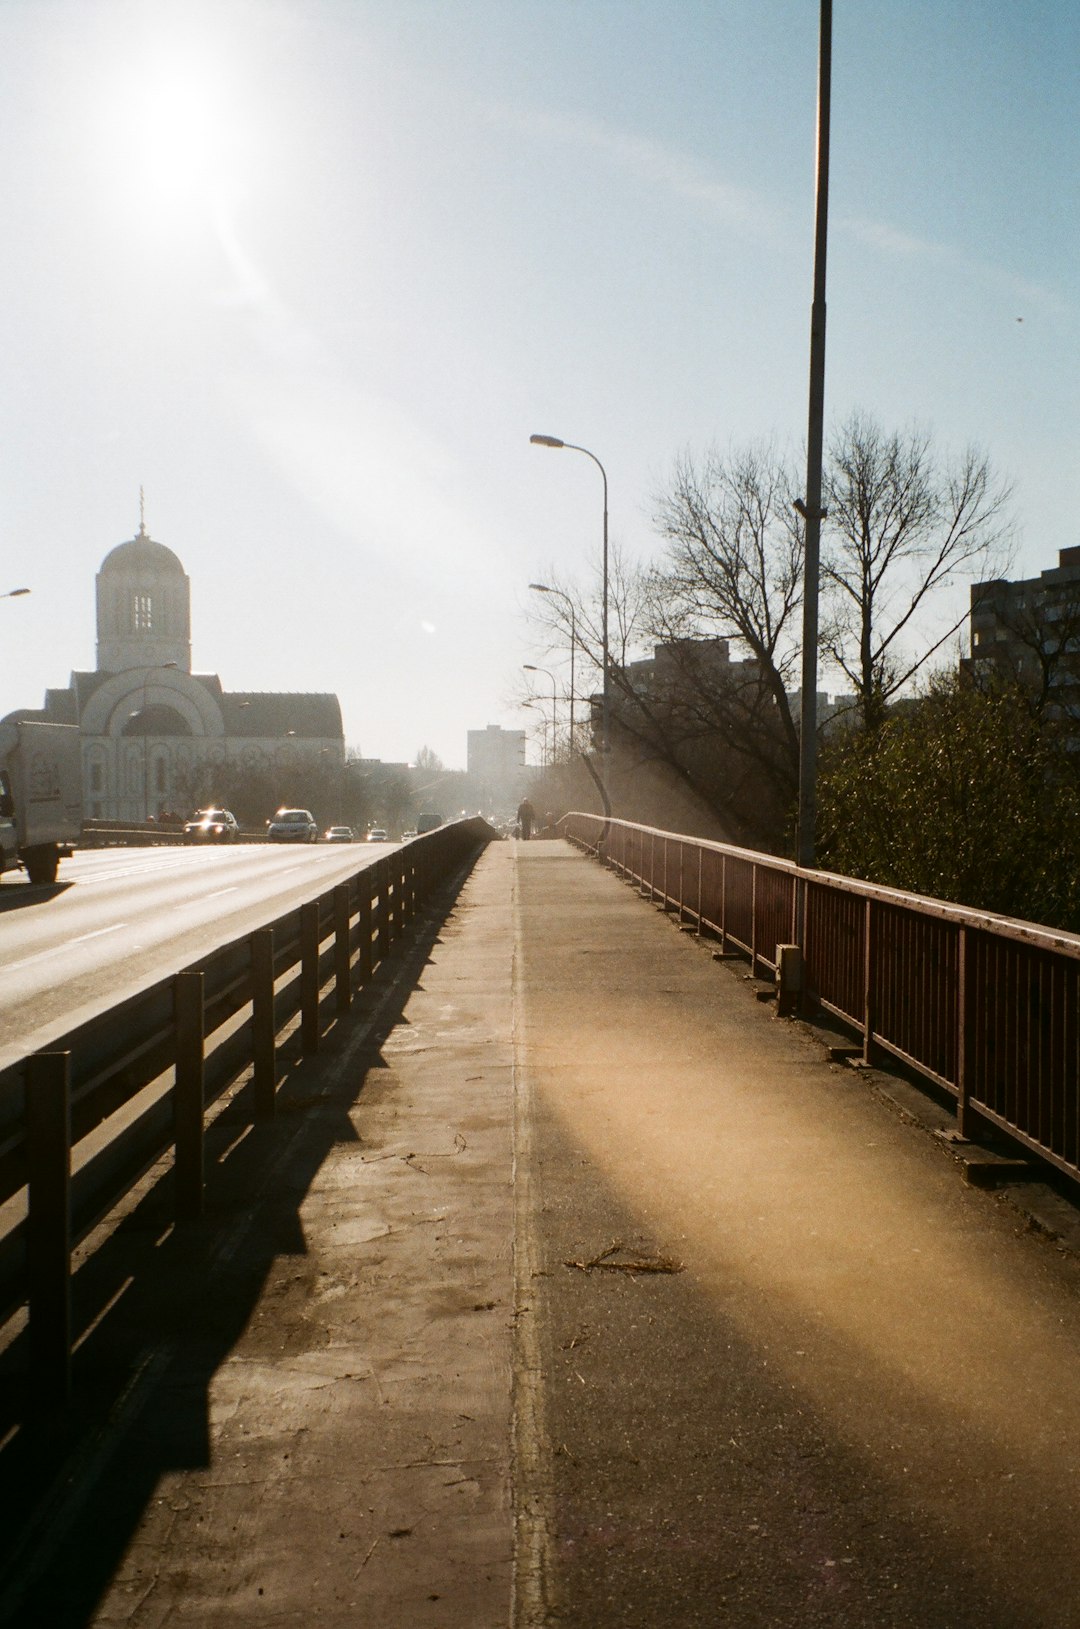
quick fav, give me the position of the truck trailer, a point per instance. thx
(40, 796)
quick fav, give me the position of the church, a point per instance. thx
(158, 739)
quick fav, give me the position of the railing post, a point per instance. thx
(963, 1038)
(263, 1024)
(723, 904)
(363, 926)
(700, 887)
(309, 977)
(188, 1101)
(753, 920)
(342, 988)
(870, 920)
(48, 1224)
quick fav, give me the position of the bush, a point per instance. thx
(961, 795)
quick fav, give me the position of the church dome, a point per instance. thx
(142, 554)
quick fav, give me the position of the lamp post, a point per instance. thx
(605, 725)
(810, 507)
(528, 667)
(542, 588)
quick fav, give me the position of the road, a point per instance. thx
(121, 918)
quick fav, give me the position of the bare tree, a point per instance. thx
(901, 528)
(734, 562)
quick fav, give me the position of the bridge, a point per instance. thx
(524, 1265)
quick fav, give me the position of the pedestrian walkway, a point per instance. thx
(580, 1289)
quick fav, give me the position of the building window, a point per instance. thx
(97, 777)
(144, 614)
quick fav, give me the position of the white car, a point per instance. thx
(211, 826)
(377, 834)
(293, 826)
(339, 834)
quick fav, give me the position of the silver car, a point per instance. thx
(293, 826)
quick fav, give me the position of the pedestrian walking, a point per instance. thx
(526, 815)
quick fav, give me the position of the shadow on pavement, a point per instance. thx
(162, 1306)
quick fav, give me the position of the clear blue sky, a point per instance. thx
(312, 271)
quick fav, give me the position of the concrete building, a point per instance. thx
(496, 766)
(1029, 631)
(157, 737)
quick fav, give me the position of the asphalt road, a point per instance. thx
(120, 918)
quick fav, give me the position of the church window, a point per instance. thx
(144, 613)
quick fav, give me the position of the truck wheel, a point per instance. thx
(42, 863)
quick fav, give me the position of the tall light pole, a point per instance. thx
(542, 588)
(810, 507)
(527, 667)
(605, 726)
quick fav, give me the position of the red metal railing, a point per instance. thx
(986, 1007)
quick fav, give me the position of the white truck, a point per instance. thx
(40, 796)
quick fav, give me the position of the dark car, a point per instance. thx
(212, 826)
(293, 826)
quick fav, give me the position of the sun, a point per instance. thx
(174, 137)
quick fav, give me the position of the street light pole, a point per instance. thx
(529, 668)
(605, 727)
(810, 508)
(542, 588)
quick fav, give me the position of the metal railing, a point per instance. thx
(986, 1007)
(84, 1121)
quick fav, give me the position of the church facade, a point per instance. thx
(158, 739)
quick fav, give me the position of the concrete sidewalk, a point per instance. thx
(578, 1289)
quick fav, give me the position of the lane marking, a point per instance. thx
(55, 950)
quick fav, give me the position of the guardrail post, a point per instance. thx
(412, 890)
(363, 927)
(263, 1024)
(188, 1100)
(309, 977)
(342, 987)
(753, 921)
(382, 873)
(48, 1224)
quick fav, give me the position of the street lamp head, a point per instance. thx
(528, 667)
(541, 588)
(546, 441)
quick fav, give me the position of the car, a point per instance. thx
(211, 826)
(407, 836)
(339, 834)
(293, 826)
(377, 834)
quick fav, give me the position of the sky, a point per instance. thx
(310, 273)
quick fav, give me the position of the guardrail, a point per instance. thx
(986, 1007)
(83, 1122)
